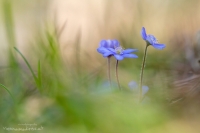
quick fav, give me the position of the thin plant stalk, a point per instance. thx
(109, 78)
(116, 72)
(141, 74)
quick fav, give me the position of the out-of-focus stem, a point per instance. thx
(116, 71)
(141, 74)
(109, 70)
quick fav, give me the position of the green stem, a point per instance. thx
(109, 70)
(141, 74)
(116, 71)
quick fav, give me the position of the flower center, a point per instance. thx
(153, 39)
(119, 50)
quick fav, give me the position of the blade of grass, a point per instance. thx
(58, 30)
(8, 21)
(33, 74)
(39, 74)
(8, 18)
(7, 91)
(78, 53)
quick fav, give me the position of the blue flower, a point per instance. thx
(112, 48)
(151, 40)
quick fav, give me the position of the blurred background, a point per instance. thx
(52, 76)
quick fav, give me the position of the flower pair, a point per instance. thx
(112, 47)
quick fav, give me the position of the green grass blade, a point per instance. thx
(7, 10)
(39, 74)
(9, 22)
(7, 90)
(34, 76)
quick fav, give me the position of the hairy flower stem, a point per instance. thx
(109, 71)
(116, 71)
(141, 74)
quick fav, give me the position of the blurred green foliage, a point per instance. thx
(63, 95)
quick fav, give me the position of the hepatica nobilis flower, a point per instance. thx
(112, 48)
(151, 40)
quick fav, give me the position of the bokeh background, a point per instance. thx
(52, 75)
